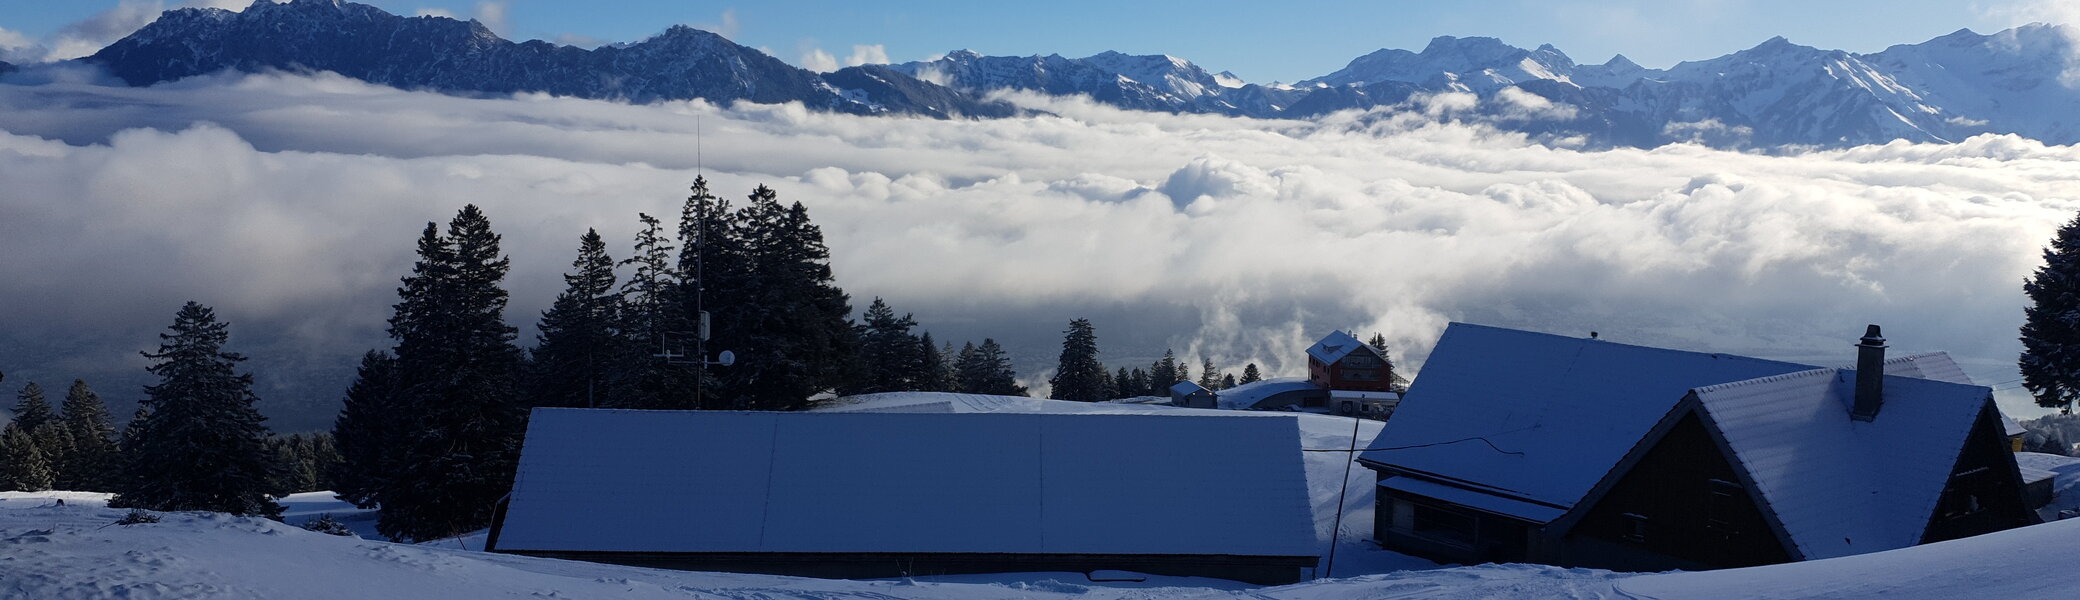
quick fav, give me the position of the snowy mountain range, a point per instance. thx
(1776, 94)
(447, 55)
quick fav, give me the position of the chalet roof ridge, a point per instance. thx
(1658, 349)
(1829, 372)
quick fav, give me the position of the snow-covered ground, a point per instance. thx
(74, 551)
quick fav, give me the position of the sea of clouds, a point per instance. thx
(290, 203)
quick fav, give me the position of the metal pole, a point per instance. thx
(1336, 531)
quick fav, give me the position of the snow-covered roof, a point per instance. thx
(1841, 486)
(1474, 500)
(1249, 394)
(1559, 411)
(1934, 365)
(1334, 347)
(711, 481)
(1940, 367)
(1186, 388)
(1363, 395)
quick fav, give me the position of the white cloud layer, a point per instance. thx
(291, 203)
(867, 54)
(815, 59)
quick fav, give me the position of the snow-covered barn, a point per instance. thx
(1516, 446)
(862, 495)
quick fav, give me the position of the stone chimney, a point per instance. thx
(1870, 376)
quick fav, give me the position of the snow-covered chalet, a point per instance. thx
(1516, 446)
(873, 495)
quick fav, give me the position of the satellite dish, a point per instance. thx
(726, 358)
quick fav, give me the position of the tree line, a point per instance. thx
(195, 442)
(1080, 376)
(430, 426)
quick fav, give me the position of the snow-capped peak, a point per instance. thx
(1479, 63)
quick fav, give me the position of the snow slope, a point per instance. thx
(53, 552)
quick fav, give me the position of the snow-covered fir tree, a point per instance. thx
(203, 445)
(22, 465)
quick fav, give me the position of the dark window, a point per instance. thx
(1961, 498)
(1360, 361)
(1444, 525)
(1635, 527)
(1722, 499)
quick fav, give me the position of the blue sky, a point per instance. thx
(1261, 41)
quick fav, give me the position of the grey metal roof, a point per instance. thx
(711, 481)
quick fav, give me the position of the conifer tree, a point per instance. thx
(710, 257)
(1078, 375)
(31, 410)
(1139, 382)
(651, 310)
(890, 358)
(786, 318)
(2050, 361)
(1250, 374)
(1123, 385)
(94, 460)
(1378, 342)
(1228, 381)
(986, 370)
(456, 397)
(325, 454)
(1209, 377)
(1163, 373)
(934, 373)
(368, 432)
(22, 465)
(579, 344)
(54, 441)
(203, 446)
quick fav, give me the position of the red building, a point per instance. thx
(1341, 362)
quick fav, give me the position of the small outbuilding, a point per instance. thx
(1516, 446)
(870, 495)
(1192, 395)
